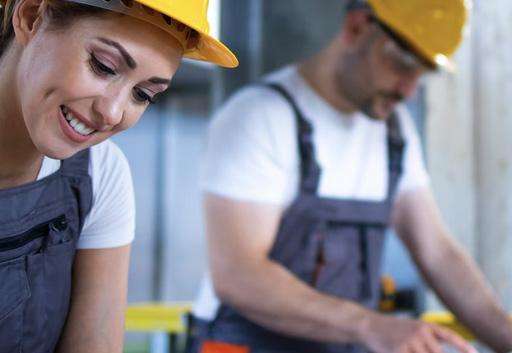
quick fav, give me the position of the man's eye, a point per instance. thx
(142, 97)
(100, 68)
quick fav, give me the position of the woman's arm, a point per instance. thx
(96, 317)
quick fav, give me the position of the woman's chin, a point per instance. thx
(59, 153)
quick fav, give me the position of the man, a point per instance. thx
(303, 176)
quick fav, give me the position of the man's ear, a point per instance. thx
(27, 18)
(355, 26)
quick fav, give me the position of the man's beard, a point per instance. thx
(363, 97)
(367, 106)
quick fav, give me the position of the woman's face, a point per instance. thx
(81, 85)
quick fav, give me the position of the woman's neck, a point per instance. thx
(20, 161)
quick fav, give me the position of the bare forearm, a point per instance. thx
(95, 322)
(87, 332)
(462, 287)
(277, 300)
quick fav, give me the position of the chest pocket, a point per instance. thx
(348, 261)
(35, 267)
(338, 259)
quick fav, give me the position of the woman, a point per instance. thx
(72, 74)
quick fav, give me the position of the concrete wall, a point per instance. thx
(267, 34)
(493, 114)
(469, 143)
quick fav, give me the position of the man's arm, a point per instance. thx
(449, 270)
(241, 235)
(96, 319)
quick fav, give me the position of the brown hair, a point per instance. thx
(60, 13)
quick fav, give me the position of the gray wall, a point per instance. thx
(470, 124)
(267, 34)
(180, 126)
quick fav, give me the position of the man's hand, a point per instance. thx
(387, 334)
(449, 270)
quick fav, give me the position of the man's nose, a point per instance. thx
(408, 84)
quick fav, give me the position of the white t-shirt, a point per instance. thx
(252, 153)
(111, 221)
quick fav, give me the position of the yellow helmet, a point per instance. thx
(433, 28)
(171, 15)
(194, 14)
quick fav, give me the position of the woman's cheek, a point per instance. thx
(128, 123)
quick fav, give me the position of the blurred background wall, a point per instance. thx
(464, 119)
(469, 145)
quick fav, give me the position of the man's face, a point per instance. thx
(379, 73)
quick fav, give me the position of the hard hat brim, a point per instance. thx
(214, 51)
(439, 33)
(209, 49)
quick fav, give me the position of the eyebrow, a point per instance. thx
(127, 57)
(158, 80)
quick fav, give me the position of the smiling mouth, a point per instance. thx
(77, 125)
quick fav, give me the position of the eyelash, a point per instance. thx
(103, 70)
(146, 98)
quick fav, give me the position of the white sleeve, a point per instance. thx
(111, 221)
(250, 148)
(414, 174)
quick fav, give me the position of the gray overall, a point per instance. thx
(333, 245)
(40, 224)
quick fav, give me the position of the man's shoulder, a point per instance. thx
(256, 103)
(284, 75)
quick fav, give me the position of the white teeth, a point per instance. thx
(76, 124)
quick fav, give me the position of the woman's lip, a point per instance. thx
(70, 132)
(82, 119)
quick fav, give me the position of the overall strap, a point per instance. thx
(77, 165)
(396, 146)
(310, 170)
(76, 170)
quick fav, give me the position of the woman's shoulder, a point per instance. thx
(110, 172)
(107, 151)
(110, 222)
(107, 160)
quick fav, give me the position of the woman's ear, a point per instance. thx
(27, 18)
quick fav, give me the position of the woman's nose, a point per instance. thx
(109, 109)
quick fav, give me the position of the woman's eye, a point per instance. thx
(142, 97)
(100, 68)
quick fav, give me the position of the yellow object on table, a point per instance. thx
(158, 317)
(448, 320)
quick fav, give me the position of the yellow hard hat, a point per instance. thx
(164, 14)
(433, 28)
(193, 13)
